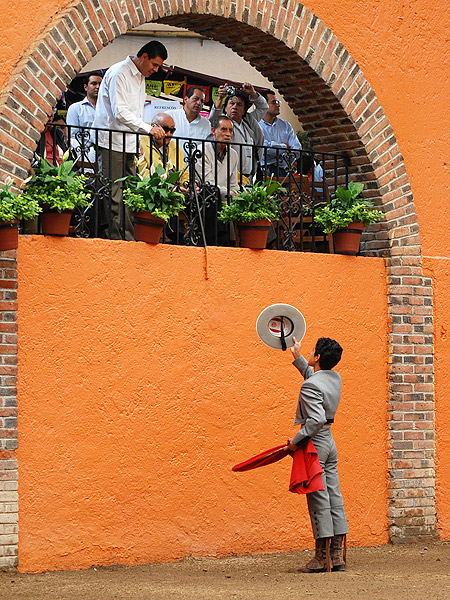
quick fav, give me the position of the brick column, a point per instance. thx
(9, 511)
(411, 484)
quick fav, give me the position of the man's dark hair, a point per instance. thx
(154, 49)
(91, 74)
(265, 93)
(243, 96)
(305, 163)
(330, 353)
(191, 91)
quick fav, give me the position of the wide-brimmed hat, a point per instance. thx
(278, 324)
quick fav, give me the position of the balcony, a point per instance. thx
(308, 178)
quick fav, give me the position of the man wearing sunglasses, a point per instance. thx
(279, 136)
(162, 151)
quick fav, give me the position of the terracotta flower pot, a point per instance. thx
(254, 234)
(9, 235)
(54, 222)
(147, 228)
(346, 241)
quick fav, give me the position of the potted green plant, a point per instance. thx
(345, 216)
(153, 200)
(58, 191)
(14, 207)
(254, 209)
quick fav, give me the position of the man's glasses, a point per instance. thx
(166, 128)
(277, 102)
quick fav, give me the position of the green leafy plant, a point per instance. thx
(156, 194)
(259, 201)
(346, 208)
(15, 205)
(57, 187)
(304, 139)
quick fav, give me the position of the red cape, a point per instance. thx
(264, 458)
(306, 471)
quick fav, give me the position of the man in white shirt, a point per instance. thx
(120, 106)
(188, 121)
(279, 136)
(82, 114)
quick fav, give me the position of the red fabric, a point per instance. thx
(306, 471)
(264, 458)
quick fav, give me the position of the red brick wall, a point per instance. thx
(8, 411)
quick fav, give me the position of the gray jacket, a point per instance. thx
(251, 127)
(318, 400)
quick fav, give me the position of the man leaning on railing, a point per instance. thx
(120, 106)
(161, 151)
(279, 136)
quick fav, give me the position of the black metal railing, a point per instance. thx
(308, 178)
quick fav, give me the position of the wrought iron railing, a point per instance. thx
(308, 178)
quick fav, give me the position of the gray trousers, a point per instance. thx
(326, 508)
(115, 165)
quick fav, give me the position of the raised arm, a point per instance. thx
(299, 361)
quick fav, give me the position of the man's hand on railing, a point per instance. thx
(157, 132)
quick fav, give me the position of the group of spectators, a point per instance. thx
(240, 144)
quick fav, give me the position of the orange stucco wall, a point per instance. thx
(401, 47)
(142, 381)
(439, 270)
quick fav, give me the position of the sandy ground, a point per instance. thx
(386, 572)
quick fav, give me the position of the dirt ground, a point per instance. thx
(384, 573)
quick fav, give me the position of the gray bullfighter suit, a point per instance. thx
(318, 401)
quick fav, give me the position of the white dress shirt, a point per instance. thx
(82, 114)
(199, 128)
(120, 105)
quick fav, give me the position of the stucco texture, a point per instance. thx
(142, 382)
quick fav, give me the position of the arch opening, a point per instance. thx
(313, 71)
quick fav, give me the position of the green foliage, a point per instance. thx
(259, 201)
(156, 194)
(14, 205)
(304, 139)
(57, 187)
(346, 208)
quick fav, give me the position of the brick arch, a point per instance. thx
(323, 84)
(283, 40)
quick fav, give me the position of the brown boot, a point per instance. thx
(338, 552)
(321, 561)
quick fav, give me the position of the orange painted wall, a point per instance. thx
(142, 382)
(439, 270)
(402, 48)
